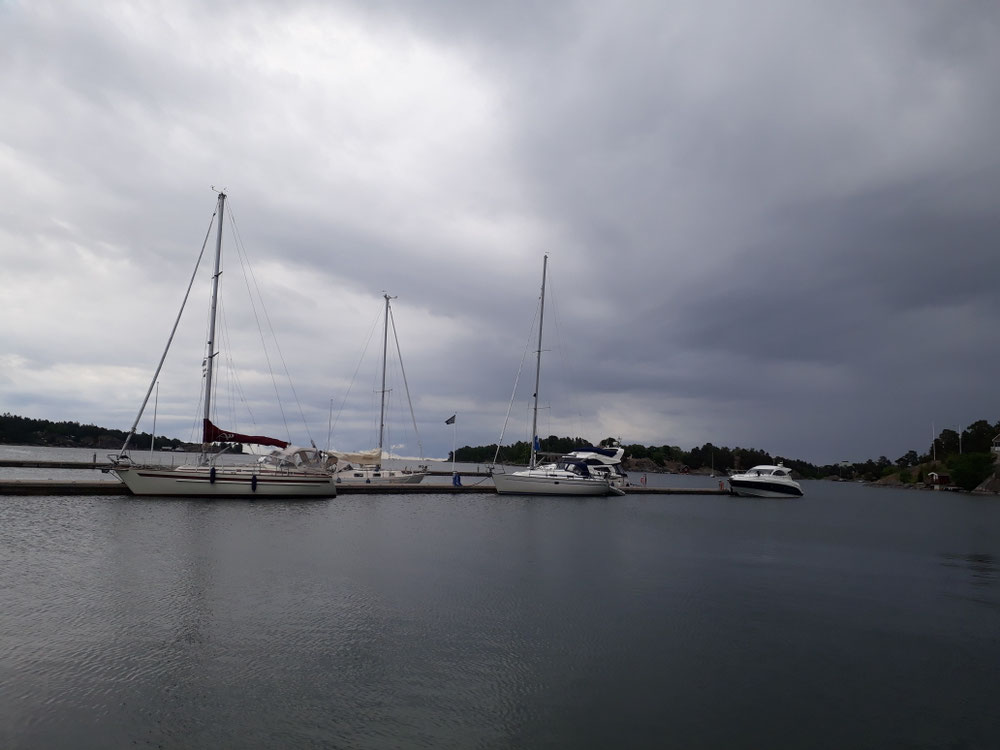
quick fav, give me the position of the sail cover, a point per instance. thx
(368, 457)
(213, 434)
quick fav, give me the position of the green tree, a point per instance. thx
(947, 443)
(978, 436)
(968, 470)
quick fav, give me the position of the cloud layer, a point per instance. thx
(769, 225)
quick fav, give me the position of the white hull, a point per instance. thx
(761, 492)
(227, 482)
(540, 484)
(365, 476)
(761, 488)
(766, 480)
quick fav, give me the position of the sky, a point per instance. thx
(769, 225)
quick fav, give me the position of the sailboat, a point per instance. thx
(287, 472)
(365, 467)
(569, 475)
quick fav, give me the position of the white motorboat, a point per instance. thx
(765, 480)
(288, 472)
(570, 475)
(365, 467)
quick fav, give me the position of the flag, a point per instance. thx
(451, 419)
(538, 446)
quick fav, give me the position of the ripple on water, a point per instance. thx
(441, 621)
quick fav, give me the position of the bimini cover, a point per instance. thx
(294, 455)
(576, 466)
(374, 456)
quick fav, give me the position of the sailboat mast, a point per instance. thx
(210, 360)
(385, 347)
(538, 367)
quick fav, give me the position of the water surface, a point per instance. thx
(854, 617)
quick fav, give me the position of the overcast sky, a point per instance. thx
(769, 224)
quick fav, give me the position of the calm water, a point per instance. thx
(854, 617)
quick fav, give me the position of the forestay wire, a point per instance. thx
(332, 425)
(159, 366)
(513, 393)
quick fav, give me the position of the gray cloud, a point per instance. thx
(769, 225)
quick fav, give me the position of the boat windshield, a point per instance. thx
(576, 467)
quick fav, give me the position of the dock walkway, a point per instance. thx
(61, 487)
(480, 485)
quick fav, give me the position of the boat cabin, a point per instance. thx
(768, 471)
(574, 467)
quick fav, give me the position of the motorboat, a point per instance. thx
(588, 474)
(287, 472)
(765, 480)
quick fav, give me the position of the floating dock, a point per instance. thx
(479, 484)
(62, 487)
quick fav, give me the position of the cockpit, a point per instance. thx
(574, 467)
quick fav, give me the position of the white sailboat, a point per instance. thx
(569, 475)
(288, 472)
(365, 467)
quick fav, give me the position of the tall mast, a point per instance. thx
(210, 360)
(538, 366)
(385, 346)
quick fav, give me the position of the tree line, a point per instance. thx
(15, 430)
(966, 455)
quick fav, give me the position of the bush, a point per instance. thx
(970, 469)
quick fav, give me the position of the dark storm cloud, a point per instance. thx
(769, 224)
(794, 214)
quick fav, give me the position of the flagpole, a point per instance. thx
(454, 447)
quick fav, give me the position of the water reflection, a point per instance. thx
(982, 567)
(478, 621)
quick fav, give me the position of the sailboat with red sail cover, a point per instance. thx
(288, 471)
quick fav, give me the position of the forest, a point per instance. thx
(15, 430)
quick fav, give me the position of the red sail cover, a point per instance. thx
(213, 434)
